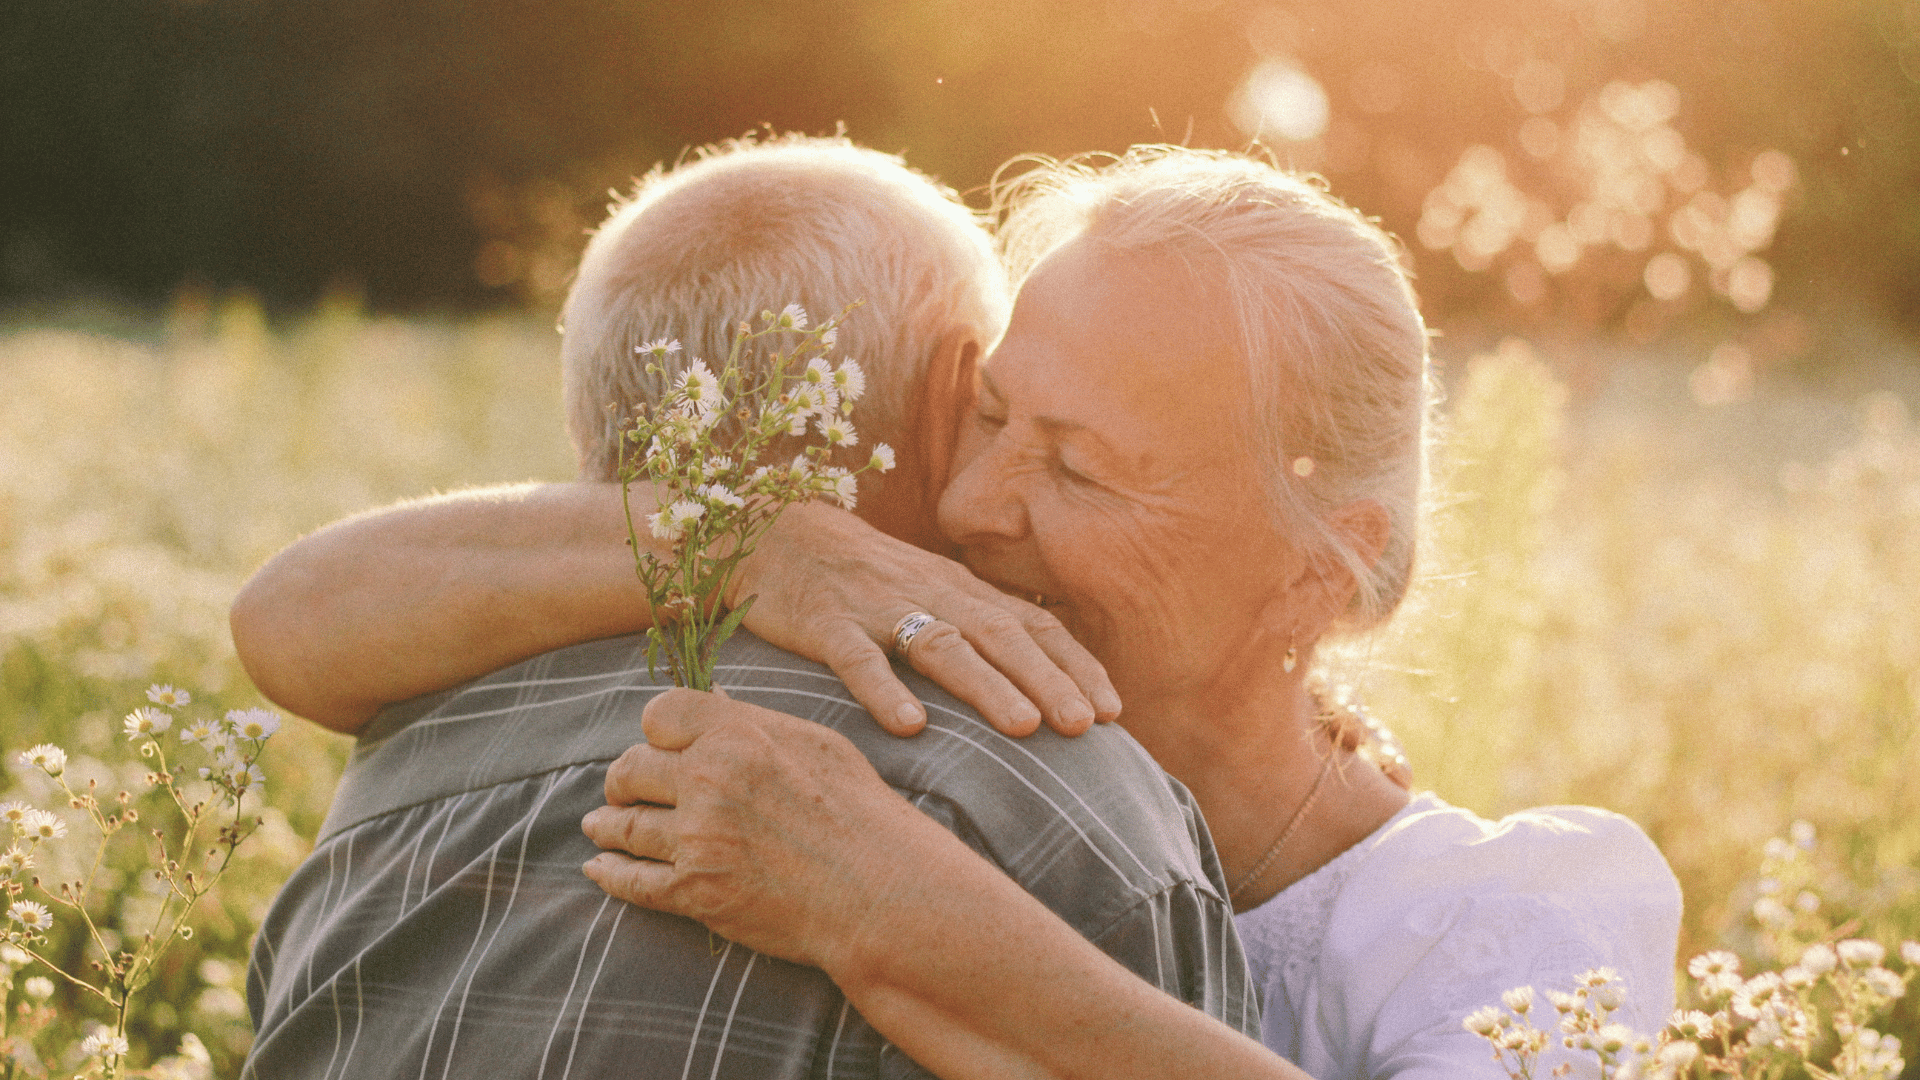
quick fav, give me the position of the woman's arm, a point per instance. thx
(422, 596)
(776, 833)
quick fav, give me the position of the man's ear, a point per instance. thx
(945, 398)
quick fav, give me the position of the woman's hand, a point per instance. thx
(423, 596)
(832, 588)
(771, 830)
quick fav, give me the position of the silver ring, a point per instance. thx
(909, 628)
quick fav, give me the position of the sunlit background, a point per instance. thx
(267, 262)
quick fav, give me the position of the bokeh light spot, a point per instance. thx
(1667, 276)
(1279, 100)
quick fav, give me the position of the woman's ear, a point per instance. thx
(1323, 588)
(1366, 525)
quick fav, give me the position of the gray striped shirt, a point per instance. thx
(442, 927)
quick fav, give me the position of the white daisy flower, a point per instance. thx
(14, 956)
(200, 731)
(15, 860)
(39, 988)
(797, 424)
(13, 813)
(828, 336)
(170, 696)
(662, 526)
(838, 431)
(147, 720)
(41, 825)
(49, 758)
(1484, 1021)
(1718, 962)
(882, 457)
(845, 489)
(1856, 952)
(1910, 952)
(253, 723)
(698, 386)
(245, 778)
(1692, 1024)
(1884, 982)
(103, 1044)
(818, 373)
(1519, 999)
(1818, 959)
(718, 495)
(850, 380)
(30, 915)
(658, 348)
(817, 400)
(791, 317)
(1754, 997)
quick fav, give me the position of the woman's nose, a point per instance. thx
(980, 504)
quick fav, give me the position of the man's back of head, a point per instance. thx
(749, 227)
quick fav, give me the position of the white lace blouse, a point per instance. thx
(1368, 965)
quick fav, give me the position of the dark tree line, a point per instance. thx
(445, 153)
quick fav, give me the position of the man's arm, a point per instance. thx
(420, 597)
(942, 953)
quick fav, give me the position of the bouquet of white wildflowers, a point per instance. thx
(702, 447)
(205, 824)
(1811, 1018)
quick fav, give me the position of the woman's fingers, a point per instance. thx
(1038, 656)
(643, 774)
(1088, 674)
(863, 667)
(641, 831)
(637, 881)
(943, 654)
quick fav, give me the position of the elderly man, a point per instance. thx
(442, 926)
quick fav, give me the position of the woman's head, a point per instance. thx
(1325, 322)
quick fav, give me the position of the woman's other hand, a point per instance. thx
(771, 830)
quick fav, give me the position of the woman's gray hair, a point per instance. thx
(1335, 348)
(753, 226)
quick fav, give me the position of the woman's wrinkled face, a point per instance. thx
(1105, 467)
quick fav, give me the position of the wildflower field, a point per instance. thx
(1707, 618)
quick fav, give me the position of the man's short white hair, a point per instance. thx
(752, 226)
(1335, 348)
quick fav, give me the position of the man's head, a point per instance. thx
(749, 227)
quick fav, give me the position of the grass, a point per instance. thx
(1629, 600)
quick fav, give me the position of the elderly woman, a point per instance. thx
(1199, 445)
(1200, 441)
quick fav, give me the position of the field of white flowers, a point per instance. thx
(1705, 618)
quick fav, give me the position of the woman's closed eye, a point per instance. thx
(1071, 474)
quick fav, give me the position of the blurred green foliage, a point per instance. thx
(1698, 616)
(449, 152)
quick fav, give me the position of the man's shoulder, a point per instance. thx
(1098, 800)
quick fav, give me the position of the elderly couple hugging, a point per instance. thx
(1190, 451)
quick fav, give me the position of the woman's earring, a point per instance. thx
(1292, 659)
